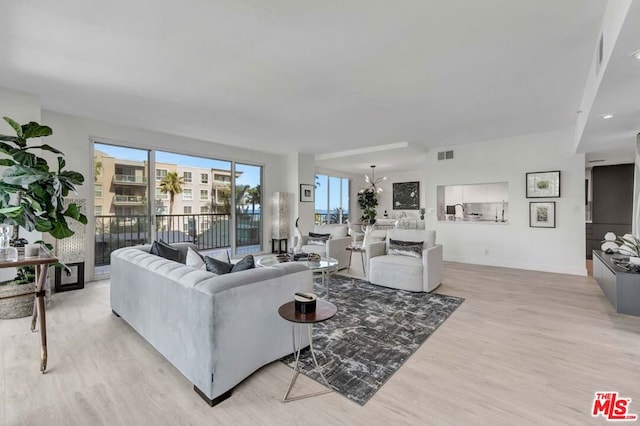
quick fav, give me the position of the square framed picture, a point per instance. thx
(542, 214)
(307, 193)
(406, 196)
(543, 184)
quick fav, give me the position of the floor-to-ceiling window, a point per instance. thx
(187, 198)
(332, 199)
(248, 196)
(121, 194)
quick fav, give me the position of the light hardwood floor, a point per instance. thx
(524, 348)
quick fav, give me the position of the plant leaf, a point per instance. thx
(7, 162)
(35, 130)
(45, 147)
(13, 211)
(25, 158)
(60, 229)
(14, 124)
(43, 225)
(23, 176)
(9, 139)
(73, 177)
(61, 164)
(6, 148)
(73, 211)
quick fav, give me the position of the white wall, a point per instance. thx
(299, 169)
(514, 245)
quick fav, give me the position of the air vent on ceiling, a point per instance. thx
(445, 155)
(596, 161)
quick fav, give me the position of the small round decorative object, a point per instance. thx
(609, 247)
(609, 236)
(313, 259)
(305, 303)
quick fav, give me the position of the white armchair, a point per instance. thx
(335, 246)
(422, 273)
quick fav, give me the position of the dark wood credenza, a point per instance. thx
(621, 287)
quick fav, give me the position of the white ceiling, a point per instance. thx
(618, 94)
(314, 77)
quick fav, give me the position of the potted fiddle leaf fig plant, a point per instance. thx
(31, 192)
(32, 195)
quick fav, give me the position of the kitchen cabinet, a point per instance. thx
(474, 193)
(497, 192)
(453, 194)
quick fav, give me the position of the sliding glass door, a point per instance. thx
(186, 199)
(248, 208)
(121, 201)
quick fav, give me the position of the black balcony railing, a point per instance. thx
(330, 218)
(130, 179)
(207, 231)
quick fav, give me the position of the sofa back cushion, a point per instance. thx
(162, 249)
(405, 248)
(220, 267)
(339, 230)
(428, 238)
(195, 259)
(317, 239)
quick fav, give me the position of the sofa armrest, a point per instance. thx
(337, 248)
(432, 267)
(378, 248)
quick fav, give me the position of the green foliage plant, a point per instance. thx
(31, 192)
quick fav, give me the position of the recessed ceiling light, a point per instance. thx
(635, 54)
(607, 116)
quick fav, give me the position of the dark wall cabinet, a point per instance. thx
(612, 203)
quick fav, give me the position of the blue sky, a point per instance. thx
(333, 184)
(250, 174)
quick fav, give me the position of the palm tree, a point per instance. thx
(97, 168)
(171, 184)
(241, 192)
(253, 197)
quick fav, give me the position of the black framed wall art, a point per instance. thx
(542, 214)
(307, 193)
(406, 196)
(543, 184)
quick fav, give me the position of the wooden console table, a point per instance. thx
(621, 287)
(41, 264)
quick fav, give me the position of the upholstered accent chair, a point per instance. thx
(335, 246)
(404, 269)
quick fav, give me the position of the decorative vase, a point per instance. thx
(367, 234)
(298, 238)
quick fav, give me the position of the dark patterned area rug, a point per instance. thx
(374, 332)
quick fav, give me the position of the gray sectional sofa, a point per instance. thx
(216, 330)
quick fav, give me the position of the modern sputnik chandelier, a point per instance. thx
(372, 182)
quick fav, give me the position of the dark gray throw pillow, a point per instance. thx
(405, 248)
(162, 249)
(220, 268)
(317, 239)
